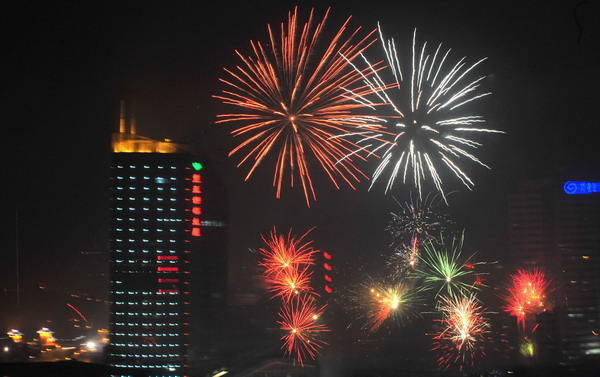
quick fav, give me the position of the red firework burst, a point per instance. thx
(527, 294)
(300, 319)
(296, 101)
(463, 332)
(286, 253)
(289, 283)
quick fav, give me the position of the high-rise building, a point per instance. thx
(167, 254)
(560, 233)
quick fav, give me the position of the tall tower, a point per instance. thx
(167, 253)
(560, 233)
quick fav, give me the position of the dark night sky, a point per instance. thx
(66, 65)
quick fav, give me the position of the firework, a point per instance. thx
(527, 294)
(286, 253)
(289, 283)
(431, 124)
(300, 319)
(293, 99)
(527, 347)
(463, 332)
(443, 265)
(386, 301)
(414, 222)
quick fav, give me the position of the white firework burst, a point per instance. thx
(428, 129)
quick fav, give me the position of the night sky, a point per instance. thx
(66, 65)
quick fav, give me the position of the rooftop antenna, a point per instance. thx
(132, 121)
(17, 252)
(122, 120)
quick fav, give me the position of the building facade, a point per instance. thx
(167, 255)
(560, 233)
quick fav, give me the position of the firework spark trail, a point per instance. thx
(427, 129)
(300, 319)
(527, 294)
(284, 253)
(293, 101)
(415, 222)
(463, 331)
(444, 266)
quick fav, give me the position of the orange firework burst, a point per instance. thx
(300, 320)
(286, 253)
(290, 282)
(527, 294)
(296, 101)
(388, 301)
(385, 302)
(463, 331)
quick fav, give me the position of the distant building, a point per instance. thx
(167, 255)
(560, 233)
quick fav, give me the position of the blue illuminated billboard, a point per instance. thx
(581, 188)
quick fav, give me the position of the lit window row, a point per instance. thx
(142, 355)
(146, 167)
(145, 230)
(170, 367)
(143, 240)
(146, 209)
(138, 334)
(143, 250)
(155, 324)
(146, 345)
(171, 314)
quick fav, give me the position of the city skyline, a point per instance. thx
(72, 68)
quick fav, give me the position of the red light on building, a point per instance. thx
(167, 257)
(195, 221)
(196, 189)
(168, 280)
(328, 278)
(168, 291)
(196, 232)
(196, 178)
(196, 199)
(328, 290)
(326, 255)
(196, 210)
(327, 266)
(168, 269)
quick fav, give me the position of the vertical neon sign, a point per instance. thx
(196, 199)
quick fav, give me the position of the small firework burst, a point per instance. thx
(289, 283)
(416, 221)
(463, 331)
(527, 347)
(286, 252)
(385, 302)
(526, 294)
(444, 266)
(301, 320)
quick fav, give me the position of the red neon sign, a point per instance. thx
(168, 268)
(168, 280)
(167, 257)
